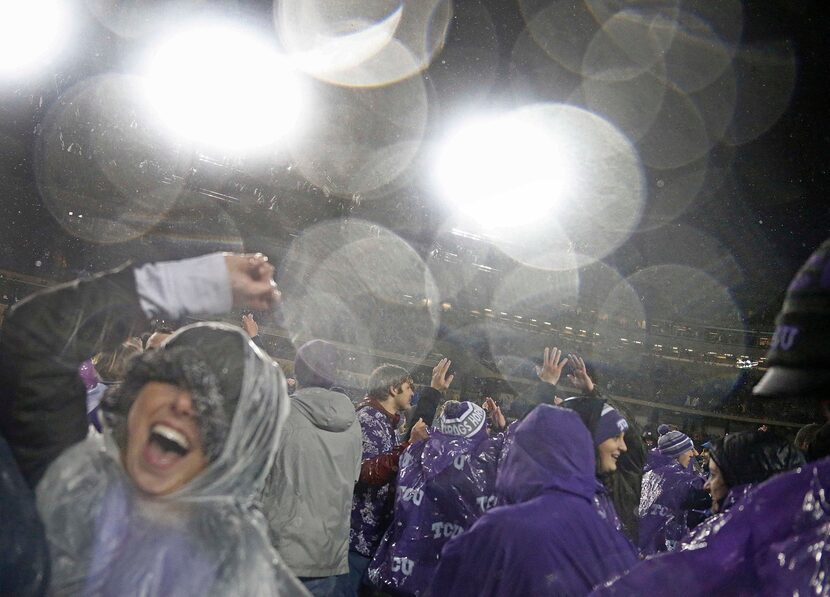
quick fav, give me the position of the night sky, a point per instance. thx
(757, 215)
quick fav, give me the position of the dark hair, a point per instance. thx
(754, 456)
(820, 446)
(806, 436)
(112, 366)
(385, 377)
(181, 367)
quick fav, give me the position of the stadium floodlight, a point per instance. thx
(502, 171)
(224, 87)
(32, 32)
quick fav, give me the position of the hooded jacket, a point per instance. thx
(754, 456)
(666, 497)
(549, 538)
(308, 496)
(775, 544)
(445, 483)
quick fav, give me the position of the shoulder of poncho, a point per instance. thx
(515, 516)
(92, 455)
(798, 481)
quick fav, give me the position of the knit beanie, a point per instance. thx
(611, 424)
(461, 418)
(315, 365)
(673, 443)
(601, 419)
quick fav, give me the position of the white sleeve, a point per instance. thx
(188, 286)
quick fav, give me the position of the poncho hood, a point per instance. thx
(552, 450)
(107, 537)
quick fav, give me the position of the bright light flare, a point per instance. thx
(31, 33)
(224, 87)
(503, 171)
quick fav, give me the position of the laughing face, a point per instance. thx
(164, 447)
(609, 451)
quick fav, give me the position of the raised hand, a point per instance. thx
(252, 281)
(494, 411)
(419, 431)
(551, 369)
(440, 380)
(580, 378)
(250, 325)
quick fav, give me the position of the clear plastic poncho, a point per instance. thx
(208, 538)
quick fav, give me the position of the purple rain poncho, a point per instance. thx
(655, 460)
(776, 541)
(549, 538)
(444, 485)
(664, 506)
(697, 537)
(605, 507)
(745, 459)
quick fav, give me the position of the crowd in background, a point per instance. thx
(183, 461)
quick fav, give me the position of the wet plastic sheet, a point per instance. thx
(106, 538)
(662, 514)
(444, 485)
(698, 536)
(773, 542)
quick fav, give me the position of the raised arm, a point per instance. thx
(47, 336)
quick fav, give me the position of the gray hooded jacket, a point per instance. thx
(308, 496)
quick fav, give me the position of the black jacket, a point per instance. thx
(44, 340)
(43, 403)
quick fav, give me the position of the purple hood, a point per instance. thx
(549, 539)
(540, 463)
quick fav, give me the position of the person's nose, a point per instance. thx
(183, 403)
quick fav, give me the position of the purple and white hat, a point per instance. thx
(461, 418)
(611, 424)
(673, 443)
